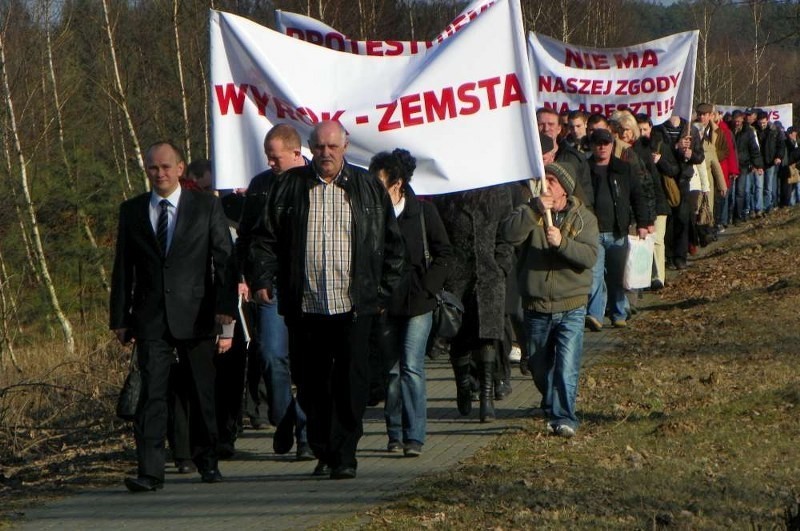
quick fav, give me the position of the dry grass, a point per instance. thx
(693, 424)
(57, 426)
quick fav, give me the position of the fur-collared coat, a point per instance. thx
(481, 261)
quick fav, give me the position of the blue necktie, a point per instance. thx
(161, 228)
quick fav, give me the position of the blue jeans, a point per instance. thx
(405, 409)
(607, 279)
(743, 199)
(757, 192)
(770, 188)
(274, 346)
(555, 344)
(794, 194)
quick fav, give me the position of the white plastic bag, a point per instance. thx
(639, 264)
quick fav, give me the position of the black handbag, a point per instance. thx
(449, 311)
(128, 399)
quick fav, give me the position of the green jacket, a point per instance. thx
(553, 280)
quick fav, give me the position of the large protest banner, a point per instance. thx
(655, 77)
(781, 112)
(463, 108)
(317, 32)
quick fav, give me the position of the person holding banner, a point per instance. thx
(555, 277)
(329, 242)
(408, 320)
(282, 150)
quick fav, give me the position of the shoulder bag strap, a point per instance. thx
(425, 249)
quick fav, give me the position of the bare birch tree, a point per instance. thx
(187, 144)
(121, 98)
(8, 313)
(41, 261)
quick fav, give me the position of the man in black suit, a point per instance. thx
(173, 287)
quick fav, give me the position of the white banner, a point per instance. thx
(463, 109)
(655, 77)
(777, 113)
(317, 32)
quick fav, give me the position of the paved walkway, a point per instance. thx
(267, 491)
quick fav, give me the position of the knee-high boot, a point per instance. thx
(486, 372)
(463, 384)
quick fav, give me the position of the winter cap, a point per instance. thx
(565, 173)
(762, 115)
(601, 136)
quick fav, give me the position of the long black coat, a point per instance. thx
(482, 259)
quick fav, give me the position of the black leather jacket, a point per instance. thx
(279, 242)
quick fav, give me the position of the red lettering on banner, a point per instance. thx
(230, 96)
(283, 110)
(315, 37)
(488, 85)
(307, 116)
(261, 100)
(394, 48)
(634, 60)
(466, 99)
(512, 91)
(411, 110)
(586, 60)
(441, 108)
(385, 123)
(466, 96)
(586, 87)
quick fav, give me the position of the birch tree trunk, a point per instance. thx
(41, 261)
(8, 312)
(82, 217)
(187, 146)
(122, 100)
(23, 230)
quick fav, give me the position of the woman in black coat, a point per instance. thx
(482, 260)
(404, 336)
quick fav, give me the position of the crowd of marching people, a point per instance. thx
(340, 270)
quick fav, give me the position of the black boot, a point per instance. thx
(463, 384)
(486, 373)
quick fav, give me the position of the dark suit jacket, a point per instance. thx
(183, 291)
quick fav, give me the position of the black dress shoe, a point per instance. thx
(211, 475)
(283, 440)
(343, 472)
(185, 466)
(143, 484)
(322, 469)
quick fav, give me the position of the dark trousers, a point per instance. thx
(676, 240)
(330, 365)
(230, 383)
(193, 380)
